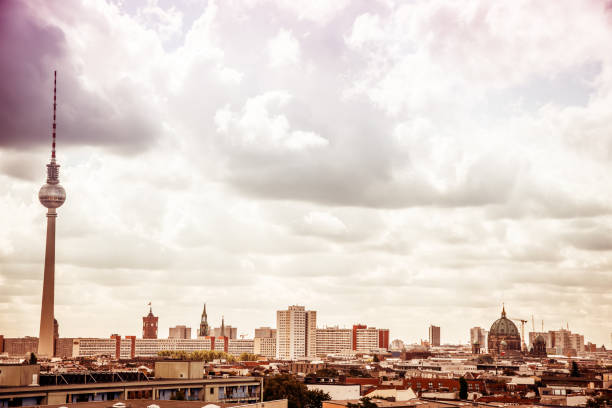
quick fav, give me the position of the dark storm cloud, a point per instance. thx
(30, 51)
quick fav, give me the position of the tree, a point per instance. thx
(376, 359)
(297, 394)
(32, 359)
(365, 402)
(199, 355)
(354, 372)
(596, 402)
(327, 372)
(575, 371)
(248, 357)
(285, 386)
(463, 388)
(315, 398)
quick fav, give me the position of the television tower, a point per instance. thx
(52, 195)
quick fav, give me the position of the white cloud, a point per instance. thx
(428, 153)
(323, 223)
(257, 128)
(283, 49)
(167, 23)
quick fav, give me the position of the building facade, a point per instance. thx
(233, 390)
(179, 332)
(479, 336)
(368, 339)
(149, 325)
(265, 346)
(296, 333)
(434, 335)
(130, 347)
(236, 347)
(563, 341)
(333, 340)
(265, 332)
(226, 331)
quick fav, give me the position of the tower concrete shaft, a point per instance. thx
(46, 339)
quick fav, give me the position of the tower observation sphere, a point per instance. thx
(52, 194)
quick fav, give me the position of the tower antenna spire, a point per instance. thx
(54, 112)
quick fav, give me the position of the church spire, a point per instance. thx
(204, 330)
(204, 315)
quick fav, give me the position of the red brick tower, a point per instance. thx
(149, 325)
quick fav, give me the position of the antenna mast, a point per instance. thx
(54, 111)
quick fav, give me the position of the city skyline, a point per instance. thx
(400, 165)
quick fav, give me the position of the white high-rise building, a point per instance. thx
(296, 333)
(179, 332)
(367, 339)
(332, 340)
(265, 346)
(480, 335)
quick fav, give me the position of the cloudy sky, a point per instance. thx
(394, 163)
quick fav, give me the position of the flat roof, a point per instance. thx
(137, 384)
(143, 403)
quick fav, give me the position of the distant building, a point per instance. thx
(265, 346)
(539, 347)
(545, 335)
(225, 331)
(63, 347)
(130, 347)
(230, 332)
(179, 332)
(333, 340)
(19, 346)
(563, 341)
(265, 332)
(238, 346)
(367, 339)
(296, 333)
(478, 335)
(434, 335)
(149, 325)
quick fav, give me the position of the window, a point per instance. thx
(212, 391)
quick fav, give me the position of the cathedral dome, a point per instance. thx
(504, 335)
(540, 340)
(504, 326)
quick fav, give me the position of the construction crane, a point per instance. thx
(523, 321)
